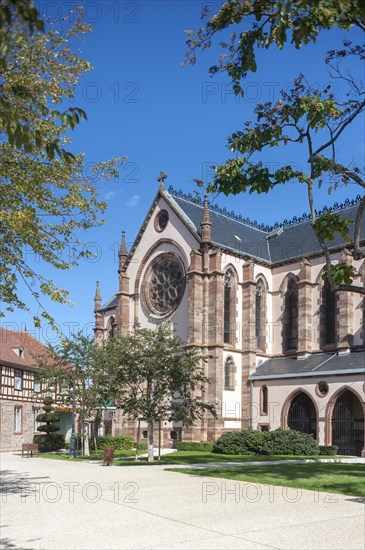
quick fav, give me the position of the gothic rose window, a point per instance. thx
(161, 220)
(165, 284)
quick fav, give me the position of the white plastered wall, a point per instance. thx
(280, 389)
(176, 238)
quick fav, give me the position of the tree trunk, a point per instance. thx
(150, 441)
(159, 440)
(138, 437)
(86, 440)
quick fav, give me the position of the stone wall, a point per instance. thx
(9, 440)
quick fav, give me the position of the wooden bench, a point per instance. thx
(29, 448)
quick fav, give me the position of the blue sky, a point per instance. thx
(143, 105)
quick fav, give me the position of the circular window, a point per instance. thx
(161, 220)
(164, 284)
(322, 389)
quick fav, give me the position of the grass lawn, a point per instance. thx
(346, 479)
(198, 457)
(180, 457)
(94, 455)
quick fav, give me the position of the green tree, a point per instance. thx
(315, 119)
(19, 129)
(46, 198)
(150, 374)
(68, 364)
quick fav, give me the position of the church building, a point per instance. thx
(283, 349)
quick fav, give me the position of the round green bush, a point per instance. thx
(328, 450)
(235, 443)
(277, 442)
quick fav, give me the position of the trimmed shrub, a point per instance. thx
(235, 443)
(277, 442)
(119, 442)
(194, 446)
(328, 450)
(290, 442)
(48, 443)
(142, 446)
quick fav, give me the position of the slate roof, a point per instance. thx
(251, 241)
(295, 241)
(11, 340)
(111, 303)
(313, 365)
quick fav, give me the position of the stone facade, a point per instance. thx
(218, 312)
(21, 398)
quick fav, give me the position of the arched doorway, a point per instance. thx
(348, 424)
(302, 415)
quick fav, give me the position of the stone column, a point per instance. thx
(195, 299)
(214, 341)
(305, 313)
(122, 316)
(345, 309)
(248, 337)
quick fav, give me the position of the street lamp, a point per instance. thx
(73, 452)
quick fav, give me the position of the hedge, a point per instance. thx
(120, 442)
(328, 450)
(194, 446)
(277, 442)
(142, 446)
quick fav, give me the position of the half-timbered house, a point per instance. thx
(21, 396)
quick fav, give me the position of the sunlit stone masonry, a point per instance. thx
(283, 348)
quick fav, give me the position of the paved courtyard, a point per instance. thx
(52, 504)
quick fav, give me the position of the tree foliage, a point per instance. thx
(150, 375)
(49, 417)
(313, 118)
(46, 197)
(72, 362)
(51, 441)
(15, 122)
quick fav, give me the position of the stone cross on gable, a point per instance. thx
(161, 179)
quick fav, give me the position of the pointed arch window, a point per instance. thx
(111, 327)
(264, 400)
(260, 315)
(227, 320)
(229, 374)
(291, 316)
(329, 306)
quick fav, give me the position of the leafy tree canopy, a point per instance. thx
(68, 369)
(313, 118)
(45, 196)
(151, 375)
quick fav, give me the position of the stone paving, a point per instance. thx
(53, 504)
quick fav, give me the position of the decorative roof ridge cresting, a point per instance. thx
(261, 226)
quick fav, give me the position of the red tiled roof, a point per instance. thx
(11, 340)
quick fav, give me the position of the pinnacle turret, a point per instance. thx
(97, 297)
(206, 221)
(123, 252)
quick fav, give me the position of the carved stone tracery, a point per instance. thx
(165, 284)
